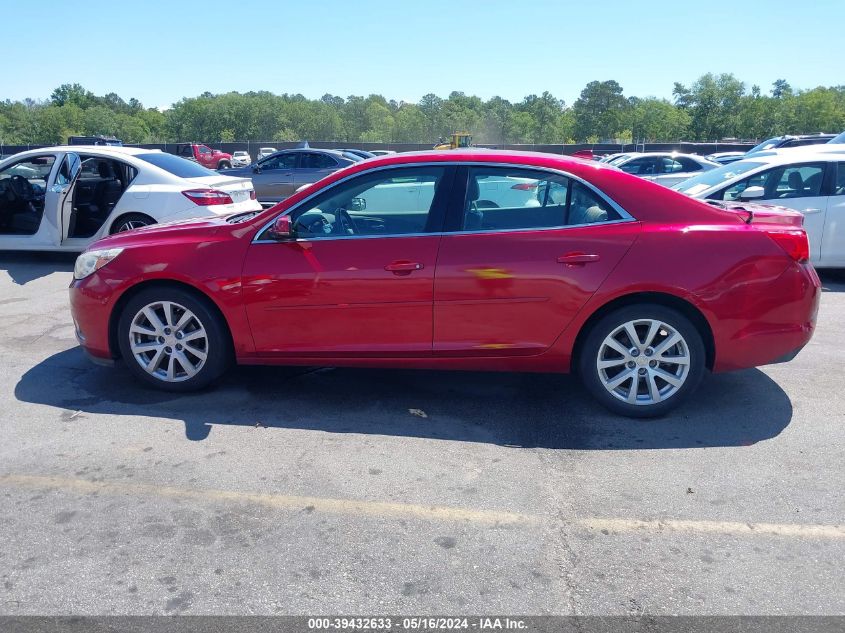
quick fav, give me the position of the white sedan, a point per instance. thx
(810, 180)
(64, 198)
(263, 152)
(664, 168)
(241, 159)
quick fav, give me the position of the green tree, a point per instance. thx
(600, 110)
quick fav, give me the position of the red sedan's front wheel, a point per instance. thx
(172, 339)
(642, 360)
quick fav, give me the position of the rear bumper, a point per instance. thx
(776, 324)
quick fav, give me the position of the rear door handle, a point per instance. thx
(808, 211)
(577, 259)
(403, 267)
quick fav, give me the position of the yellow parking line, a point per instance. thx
(717, 527)
(383, 509)
(287, 502)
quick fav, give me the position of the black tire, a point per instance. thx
(129, 222)
(224, 164)
(216, 344)
(607, 325)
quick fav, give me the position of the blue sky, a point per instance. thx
(160, 51)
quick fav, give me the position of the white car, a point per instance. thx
(241, 159)
(810, 180)
(264, 152)
(664, 168)
(382, 152)
(64, 198)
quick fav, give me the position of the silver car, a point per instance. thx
(665, 168)
(279, 175)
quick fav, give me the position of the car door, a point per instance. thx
(273, 177)
(833, 238)
(511, 278)
(60, 195)
(356, 278)
(312, 167)
(797, 186)
(29, 210)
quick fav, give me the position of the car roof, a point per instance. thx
(103, 149)
(824, 151)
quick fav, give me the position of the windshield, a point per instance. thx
(175, 165)
(768, 144)
(618, 159)
(708, 179)
(838, 139)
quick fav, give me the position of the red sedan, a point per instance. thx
(460, 260)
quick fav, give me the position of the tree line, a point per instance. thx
(713, 107)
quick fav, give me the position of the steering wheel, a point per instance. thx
(315, 224)
(346, 224)
(22, 188)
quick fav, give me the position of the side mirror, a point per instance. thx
(752, 193)
(281, 229)
(256, 169)
(357, 204)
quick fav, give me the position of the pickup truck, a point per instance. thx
(204, 155)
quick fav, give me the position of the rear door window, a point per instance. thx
(510, 199)
(317, 161)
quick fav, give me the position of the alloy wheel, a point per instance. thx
(168, 341)
(643, 362)
(131, 224)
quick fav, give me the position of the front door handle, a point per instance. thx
(809, 211)
(403, 267)
(577, 259)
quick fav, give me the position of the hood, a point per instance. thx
(176, 231)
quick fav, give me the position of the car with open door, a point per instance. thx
(636, 288)
(64, 198)
(809, 180)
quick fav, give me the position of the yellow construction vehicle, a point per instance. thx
(457, 140)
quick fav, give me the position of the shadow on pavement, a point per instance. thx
(26, 267)
(833, 280)
(520, 410)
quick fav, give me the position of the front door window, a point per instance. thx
(23, 186)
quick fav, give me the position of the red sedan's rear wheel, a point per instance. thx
(642, 360)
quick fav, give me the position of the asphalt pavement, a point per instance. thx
(360, 491)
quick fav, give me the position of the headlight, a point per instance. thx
(92, 261)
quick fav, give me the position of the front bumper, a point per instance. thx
(90, 307)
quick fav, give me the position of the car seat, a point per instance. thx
(108, 190)
(796, 185)
(473, 216)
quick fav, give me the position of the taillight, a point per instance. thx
(252, 195)
(795, 243)
(525, 186)
(207, 197)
